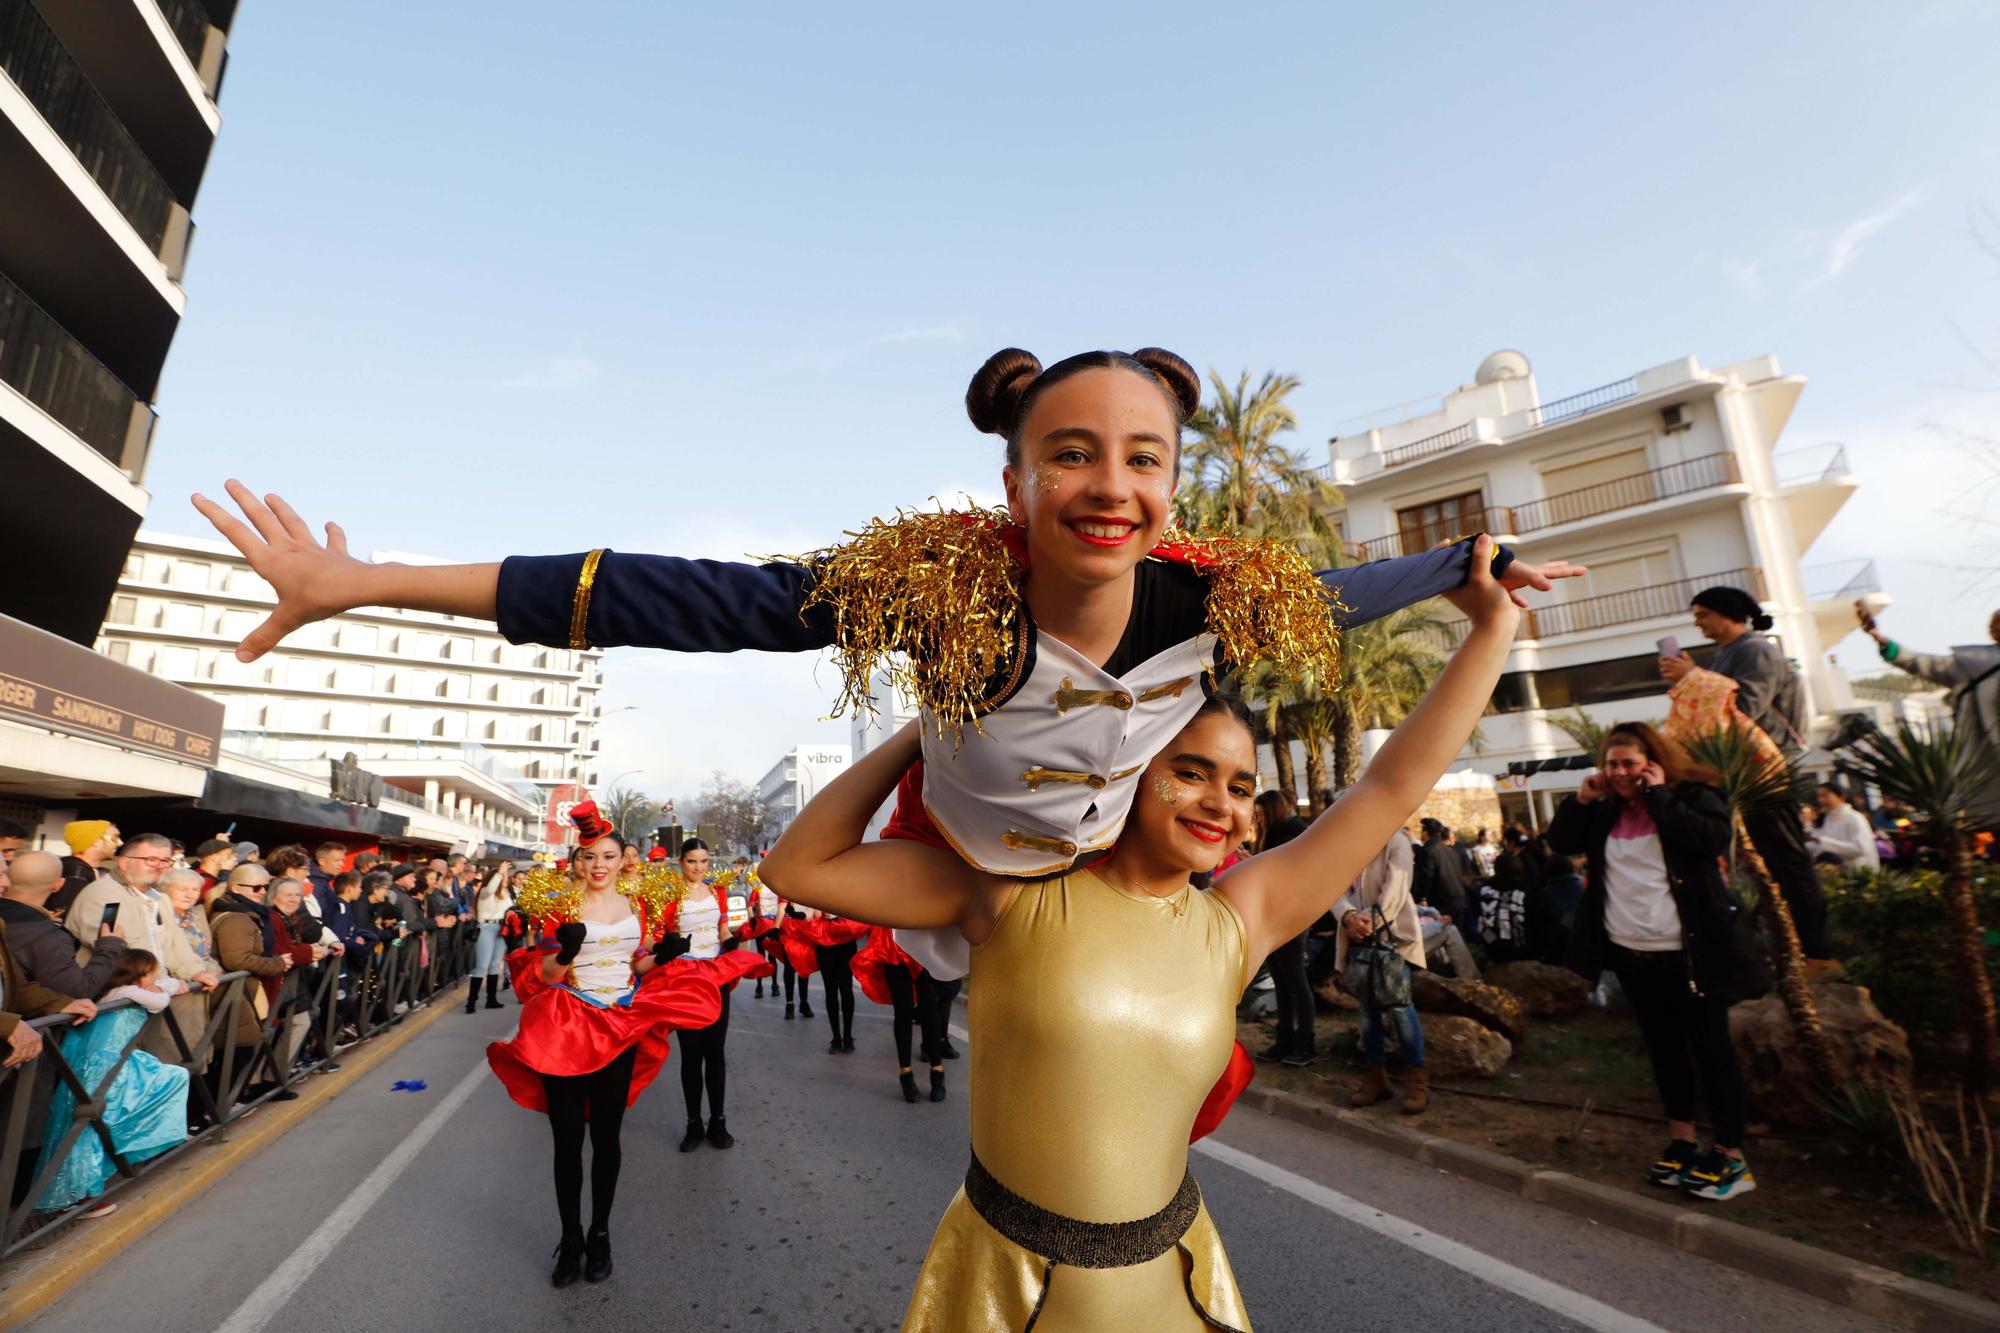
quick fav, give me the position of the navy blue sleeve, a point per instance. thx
(1373, 590)
(659, 601)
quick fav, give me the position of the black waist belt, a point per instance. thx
(1065, 1240)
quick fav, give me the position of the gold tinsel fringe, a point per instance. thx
(657, 886)
(935, 597)
(931, 597)
(548, 894)
(1266, 604)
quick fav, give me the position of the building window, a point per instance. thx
(118, 650)
(182, 618)
(1424, 526)
(123, 610)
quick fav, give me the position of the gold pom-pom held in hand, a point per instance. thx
(655, 888)
(548, 896)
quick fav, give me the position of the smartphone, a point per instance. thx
(230, 832)
(1670, 647)
(110, 916)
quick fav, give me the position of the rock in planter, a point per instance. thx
(1545, 991)
(1331, 996)
(1484, 1004)
(1867, 1049)
(1457, 1047)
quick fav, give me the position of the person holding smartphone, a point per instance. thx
(142, 922)
(1972, 674)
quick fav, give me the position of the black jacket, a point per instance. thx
(46, 953)
(1436, 879)
(1723, 958)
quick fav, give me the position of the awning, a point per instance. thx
(231, 795)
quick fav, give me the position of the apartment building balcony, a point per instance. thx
(1832, 590)
(1657, 601)
(1814, 482)
(41, 362)
(1689, 477)
(159, 66)
(1419, 537)
(91, 229)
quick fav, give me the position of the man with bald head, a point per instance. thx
(43, 951)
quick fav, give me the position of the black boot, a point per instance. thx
(597, 1256)
(937, 1085)
(493, 992)
(718, 1132)
(805, 1007)
(950, 1051)
(569, 1260)
(847, 1043)
(834, 1047)
(760, 988)
(472, 996)
(788, 1011)
(694, 1137)
(909, 1086)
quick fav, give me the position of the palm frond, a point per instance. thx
(1746, 774)
(1930, 769)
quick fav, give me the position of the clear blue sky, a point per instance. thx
(487, 278)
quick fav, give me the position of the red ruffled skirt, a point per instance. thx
(803, 937)
(876, 959)
(563, 1033)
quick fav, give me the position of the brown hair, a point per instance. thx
(132, 967)
(284, 860)
(1005, 388)
(1667, 753)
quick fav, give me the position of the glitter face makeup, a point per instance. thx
(1167, 790)
(1046, 478)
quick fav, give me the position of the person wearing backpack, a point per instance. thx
(1769, 693)
(1378, 918)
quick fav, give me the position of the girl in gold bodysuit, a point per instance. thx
(1103, 1003)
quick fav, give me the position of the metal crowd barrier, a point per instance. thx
(344, 1000)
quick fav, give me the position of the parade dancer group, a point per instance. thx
(1075, 763)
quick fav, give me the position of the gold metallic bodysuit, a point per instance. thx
(1099, 1022)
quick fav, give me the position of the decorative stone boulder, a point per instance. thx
(1545, 991)
(1331, 997)
(1867, 1049)
(1457, 1047)
(1487, 1005)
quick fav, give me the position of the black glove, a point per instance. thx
(570, 936)
(671, 947)
(732, 942)
(794, 913)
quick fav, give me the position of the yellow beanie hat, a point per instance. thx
(83, 833)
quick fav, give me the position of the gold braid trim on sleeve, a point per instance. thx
(579, 614)
(933, 598)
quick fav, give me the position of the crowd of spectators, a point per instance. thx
(139, 917)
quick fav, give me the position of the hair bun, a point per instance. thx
(1177, 375)
(993, 399)
(1761, 622)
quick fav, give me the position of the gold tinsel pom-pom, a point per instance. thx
(1266, 604)
(654, 888)
(932, 597)
(547, 894)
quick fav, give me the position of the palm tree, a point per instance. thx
(1269, 695)
(1939, 777)
(1238, 478)
(1312, 720)
(1386, 666)
(634, 814)
(1751, 781)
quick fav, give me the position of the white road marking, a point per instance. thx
(276, 1291)
(1551, 1296)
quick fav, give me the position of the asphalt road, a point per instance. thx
(432, 1211)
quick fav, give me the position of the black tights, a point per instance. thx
(916, 1004)
(837, 976)
(595, 1101)
(805, 985)
(703, 1064)
(1294, 993)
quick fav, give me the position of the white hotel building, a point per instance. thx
(801, 775)
(1663, 483)
(471, 734)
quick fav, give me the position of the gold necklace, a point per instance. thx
(1176, 902)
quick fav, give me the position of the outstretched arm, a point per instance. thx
(821, 860)
(1280, 893)
(701, 606)
(1371, 591)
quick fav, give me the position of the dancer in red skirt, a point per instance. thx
(816, 942)
(599, 995)
(889, 976)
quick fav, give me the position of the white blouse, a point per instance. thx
(603, 967)
(1639, 910)
(700, 920)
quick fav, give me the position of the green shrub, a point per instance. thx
(1888, 928)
